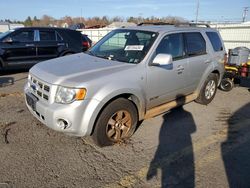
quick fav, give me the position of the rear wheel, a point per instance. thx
(1, 65)
(116, 123)
(226, 84)
(208, 90)
(69, 53)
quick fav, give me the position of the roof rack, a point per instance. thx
(198, 24)
(154, 23)
(177, 24)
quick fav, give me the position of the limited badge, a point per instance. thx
(134, 48)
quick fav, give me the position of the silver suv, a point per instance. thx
(130, 75)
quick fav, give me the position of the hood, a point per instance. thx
(75, 69)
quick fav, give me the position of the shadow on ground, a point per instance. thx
(6, 81)
(6, 78)
(236, 149)
(8, 71)
(176, 166)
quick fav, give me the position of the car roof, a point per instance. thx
(45, 28)
(169, 28)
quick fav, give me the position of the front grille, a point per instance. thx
(46, 88)
(39, 88)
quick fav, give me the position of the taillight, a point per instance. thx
(85, 44)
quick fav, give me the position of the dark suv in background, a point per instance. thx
(30, 45)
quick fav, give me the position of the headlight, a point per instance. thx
(66, 95)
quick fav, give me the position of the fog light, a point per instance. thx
(62, 124)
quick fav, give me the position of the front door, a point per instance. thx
(165, 83)
(20, 49)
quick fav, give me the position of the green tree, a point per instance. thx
(28, 21)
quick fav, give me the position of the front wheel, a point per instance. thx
(208, 90)
(116, 122)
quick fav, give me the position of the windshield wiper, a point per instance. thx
(110, 57)
(97, 55)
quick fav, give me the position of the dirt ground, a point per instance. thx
(193, 146)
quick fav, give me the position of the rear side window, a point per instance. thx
(215, 41)
(47, 36)
(195, 44)
(172, 44)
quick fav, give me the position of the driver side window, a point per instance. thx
(172, 44)
(24, 36)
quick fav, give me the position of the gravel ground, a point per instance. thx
(193, 146)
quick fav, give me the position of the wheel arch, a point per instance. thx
(210, 70)
(219, 76)
(63, 53)
(129, 96)
(1, 63)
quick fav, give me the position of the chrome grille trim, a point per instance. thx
(39, 88)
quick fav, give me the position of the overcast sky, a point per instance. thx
(214, 10)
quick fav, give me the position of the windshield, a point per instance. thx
(2, 35)
(128, 46)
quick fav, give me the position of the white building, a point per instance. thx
(234, 35)
(5, 26)
(96, 34)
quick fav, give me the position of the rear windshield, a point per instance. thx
(215, 41)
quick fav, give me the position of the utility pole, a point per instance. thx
(81, 16)
(197, 11)
(245, 10)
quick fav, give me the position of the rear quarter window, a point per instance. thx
(215, 41)
(195, 44)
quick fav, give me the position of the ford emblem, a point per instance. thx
(33, 87)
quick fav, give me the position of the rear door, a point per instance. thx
(198, 57)
(48, 44)
(21, 48)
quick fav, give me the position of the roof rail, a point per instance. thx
(199, 24)
(177, 24)
(154, 23)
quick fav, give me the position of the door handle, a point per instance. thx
(180, 68)
(60, 44)
(29, 45)
(208, 61)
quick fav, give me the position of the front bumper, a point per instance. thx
(80, 115)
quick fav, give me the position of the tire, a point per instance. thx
(116, 123)
(1, 64)
(226, 84)
(208, 90)
(66, 54)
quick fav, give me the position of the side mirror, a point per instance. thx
(8, 40)
(163, 60)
